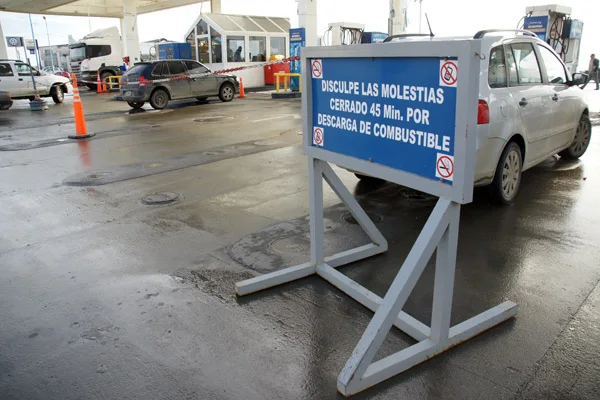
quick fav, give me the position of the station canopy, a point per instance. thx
(94, 8)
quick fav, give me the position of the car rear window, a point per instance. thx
(497, 68)
(138, 69)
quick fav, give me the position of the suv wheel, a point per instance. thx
(227, 92)
(57, 94)
(159, 99)
(136, 104)
(581, 141)
(507, 179)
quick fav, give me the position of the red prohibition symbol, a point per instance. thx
(449, 73)
(445, 167)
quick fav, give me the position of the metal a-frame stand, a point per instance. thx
(441, 232)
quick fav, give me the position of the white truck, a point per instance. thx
(99, 52)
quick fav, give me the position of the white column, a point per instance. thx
(215, 6)
(398, 16)
(129, 32)
(307, 19)
(3, 51)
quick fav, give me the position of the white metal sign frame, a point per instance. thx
(440, 232)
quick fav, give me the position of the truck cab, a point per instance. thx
(98, 53)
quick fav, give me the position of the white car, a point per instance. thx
(530, 108)
(15, 77)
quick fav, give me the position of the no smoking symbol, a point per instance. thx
(317, 69)
(448, 73)
(318, 136)
(445, 167)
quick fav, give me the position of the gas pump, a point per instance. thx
(553, 24)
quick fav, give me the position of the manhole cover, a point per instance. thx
(349, 218)
(213, 118)
(266, 143)
(98, 175)
(291, 245)
(160, 198)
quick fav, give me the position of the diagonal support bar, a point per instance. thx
(355, 209)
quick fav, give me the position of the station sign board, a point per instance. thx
(397, 118)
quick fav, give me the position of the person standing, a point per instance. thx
(593, 71)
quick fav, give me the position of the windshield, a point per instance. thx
(77, 53)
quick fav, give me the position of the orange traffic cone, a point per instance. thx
(98, 83)
(242, 94)
(80, 128)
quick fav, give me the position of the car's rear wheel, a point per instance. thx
(57, 94)
(159, 99)
(581, 141)
(227, 92)
(507, 179)
(136, 104)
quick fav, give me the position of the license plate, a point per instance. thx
(128, 93)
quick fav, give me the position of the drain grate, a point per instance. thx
(98, 175)
(213, 118)
(349, 218)
(160, 198)
(267, 143)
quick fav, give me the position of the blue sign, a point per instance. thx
(397, 112)
(297, 41)
(537, 25)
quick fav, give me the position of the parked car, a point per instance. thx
(15, 77)
(530, 108)
(137, 86)
(57, 71)
(5, 100)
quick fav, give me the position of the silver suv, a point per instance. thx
(530, 108)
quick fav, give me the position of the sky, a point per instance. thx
(460, 17)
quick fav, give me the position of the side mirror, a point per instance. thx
(578, 79)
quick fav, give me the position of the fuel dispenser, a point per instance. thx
(553, 24)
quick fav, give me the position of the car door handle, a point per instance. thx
(523, 102)
(20, 79)
(555, 97)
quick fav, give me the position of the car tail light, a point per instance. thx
(142, 80)
(483, 113)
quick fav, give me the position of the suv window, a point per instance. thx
(158, 69)
(175, 68)
(497, 68)
(527, 67)
(194, 67)
(554, 67)
(23, 69)
(6, 70)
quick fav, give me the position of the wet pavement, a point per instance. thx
(106, 295)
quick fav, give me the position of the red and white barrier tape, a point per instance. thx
(222, 71)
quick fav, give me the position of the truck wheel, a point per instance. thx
(57, 94)
(159, 99)
(226, 92)
(136, 104)
(104, 79)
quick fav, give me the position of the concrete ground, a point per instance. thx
(103, 296)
